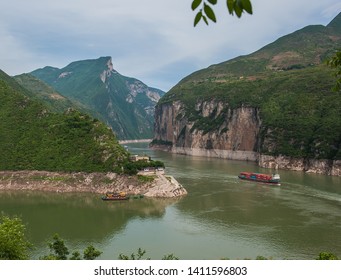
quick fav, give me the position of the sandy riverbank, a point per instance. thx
(154, 185)
(135, 141)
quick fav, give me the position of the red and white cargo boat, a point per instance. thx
(273, 179)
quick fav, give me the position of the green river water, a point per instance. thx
(221, 217)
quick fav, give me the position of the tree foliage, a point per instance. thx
(132, 168)
(327, 256)
(13, 242)
(91, 253)
(335, 62)
(140, 254)
(59, 251)
(205, 9)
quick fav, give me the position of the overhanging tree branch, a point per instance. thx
(206, 9)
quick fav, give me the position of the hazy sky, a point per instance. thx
(151, 40)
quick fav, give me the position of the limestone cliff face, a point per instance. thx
(217, 130)
(213, 129)
(328, 167)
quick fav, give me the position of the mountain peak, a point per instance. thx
(110, 69)
(126, 104)
(102, 59)
(110, 65)
(336, 23)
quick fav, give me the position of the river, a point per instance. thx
(221, 217)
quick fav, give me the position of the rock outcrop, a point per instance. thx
(224, 135)
(159, 185)
(328, 167)
(165, 186)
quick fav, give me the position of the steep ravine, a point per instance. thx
(214, 129)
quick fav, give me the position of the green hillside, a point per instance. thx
(301, 49)
(33, 137)
(288, 82)
(36, 89)
(125, 104)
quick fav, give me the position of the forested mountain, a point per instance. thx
(125, 104)
(38, 90)
(34, 137)
(277, 101)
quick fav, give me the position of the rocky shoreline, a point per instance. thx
(151, 185)
(135, 141)
(317, 166)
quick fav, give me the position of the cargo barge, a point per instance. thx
(273, 179)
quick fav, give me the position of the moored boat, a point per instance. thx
(259, 177)
(115, 196)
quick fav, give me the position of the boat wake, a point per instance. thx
(309, 191)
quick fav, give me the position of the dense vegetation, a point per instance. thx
(13, 241)
(59, 251)
(288, 81)
(133, 167)
(14, 244)
(38, 90)
(32, 137)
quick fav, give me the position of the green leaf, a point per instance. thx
(209, 12)
(197, 18)
(237, 9)
(247, 6)
(205, 20)
(213, 2)
(195, 4)
(230, 6)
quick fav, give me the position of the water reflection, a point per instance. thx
(81, 217)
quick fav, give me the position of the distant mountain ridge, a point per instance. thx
(306, 47)
(125, 104)
(274, 106)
